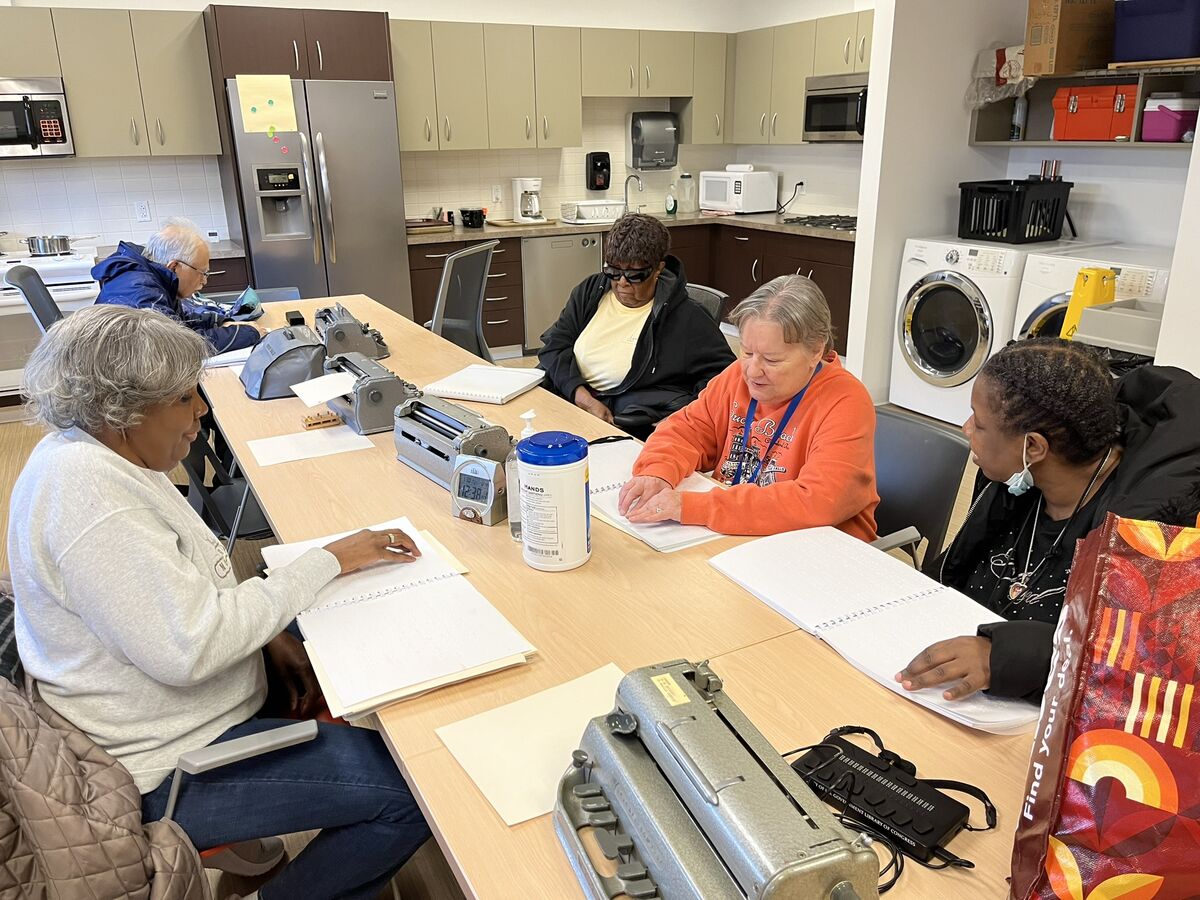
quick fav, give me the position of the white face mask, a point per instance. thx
(1020, 482)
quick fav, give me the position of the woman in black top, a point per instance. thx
(1058, 447)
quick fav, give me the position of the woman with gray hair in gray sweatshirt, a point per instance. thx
(134, 628)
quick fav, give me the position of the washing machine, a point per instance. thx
(1142, 274)
(956, 305)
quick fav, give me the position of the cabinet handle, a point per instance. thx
(632, 83)
(738, 237)
(809, 275)
(133, 132)
(497, 275)
(216, 272)
(774, 120)
(493, 299)
(320, 57)
(528, 132)
(762, 124)
(501, 250)
(496, 322)
(296, 54)
(862, 49)
(717, 119)
(846, 51)
(162, 137)
(647, 76)
(545, 128)
(754, 270)
(447, 129)
(428, 131)
(436, 255)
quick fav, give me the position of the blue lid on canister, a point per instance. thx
(552, 448)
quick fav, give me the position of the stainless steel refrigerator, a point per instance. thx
(323, 207)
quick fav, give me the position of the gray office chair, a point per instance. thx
(709, 299)
(918, 470)
(228, 507)
(458, 309)
(39, 300)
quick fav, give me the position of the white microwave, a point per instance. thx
(739, 192)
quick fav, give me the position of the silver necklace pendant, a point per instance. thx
(1016, 589)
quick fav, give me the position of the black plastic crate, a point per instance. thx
(1012, 212)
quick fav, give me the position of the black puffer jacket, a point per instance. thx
(679, 350)
(1156, 479)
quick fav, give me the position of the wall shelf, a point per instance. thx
(1066, 145)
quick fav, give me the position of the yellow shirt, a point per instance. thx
(604, 349)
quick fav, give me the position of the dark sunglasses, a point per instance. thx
(633, 276)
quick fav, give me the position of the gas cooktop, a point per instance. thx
(836, 223)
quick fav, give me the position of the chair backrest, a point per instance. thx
(458, 309)
(26, 280)
(10, 659)
(918, 470)
(709, 299)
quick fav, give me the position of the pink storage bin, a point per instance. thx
(1169, 118)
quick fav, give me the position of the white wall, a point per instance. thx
(1179, 339)
(830, 173)
(761, 13)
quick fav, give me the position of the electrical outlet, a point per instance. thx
(496, 196)
(141, 210)
(799, 188)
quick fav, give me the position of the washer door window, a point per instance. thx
(1047, 319)
(945, 329)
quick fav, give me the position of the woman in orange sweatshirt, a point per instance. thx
(786, 427)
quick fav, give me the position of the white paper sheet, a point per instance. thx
(307, 445)
(324, 388)
(517, 753)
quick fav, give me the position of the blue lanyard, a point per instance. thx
(783, 423)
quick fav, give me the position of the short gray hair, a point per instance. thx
(106, 365)
(797, 304)
(178, 238)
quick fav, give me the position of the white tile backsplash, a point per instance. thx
(830, 173)
(96, 196)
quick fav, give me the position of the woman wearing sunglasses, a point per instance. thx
(630, 344)
(787, 428)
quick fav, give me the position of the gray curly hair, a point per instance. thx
(797, 304)
(104, 366)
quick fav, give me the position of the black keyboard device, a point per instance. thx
(919, 818)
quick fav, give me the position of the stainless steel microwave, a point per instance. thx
(33, 118)
(835, 107)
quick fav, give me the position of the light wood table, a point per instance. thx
(628, 605)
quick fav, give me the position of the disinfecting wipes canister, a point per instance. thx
(555, 509)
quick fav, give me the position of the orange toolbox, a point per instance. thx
(1103, 112)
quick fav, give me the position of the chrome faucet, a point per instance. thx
(641, 188)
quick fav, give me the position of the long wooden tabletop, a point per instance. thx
(628, 605)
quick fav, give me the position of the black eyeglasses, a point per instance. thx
(633, 276)
(201, 272)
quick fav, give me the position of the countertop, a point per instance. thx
(218, 250)
(758, 222)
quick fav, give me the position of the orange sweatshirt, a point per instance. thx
(821, 471)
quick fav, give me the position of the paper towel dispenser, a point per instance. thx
(653, 141)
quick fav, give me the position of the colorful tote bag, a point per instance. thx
(1112, 800)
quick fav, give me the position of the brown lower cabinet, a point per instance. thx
(737, 265)
(503, 300)
(228, 274)
(692, 245)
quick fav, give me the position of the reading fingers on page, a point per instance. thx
(963, 660)
(664, 506)
(637, 490)
(365, 547)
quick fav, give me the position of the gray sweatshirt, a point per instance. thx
(128, 614)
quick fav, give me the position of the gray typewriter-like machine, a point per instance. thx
(687, 799)
(432, 433)
(368, 406)
(284, 357)
(342, 332)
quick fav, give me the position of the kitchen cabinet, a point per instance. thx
(345, 45)
(460, 80)
(666, 65)
(29, 47)
(176, 85)
(791, 65)
(836, 44)
(503, 299)
(610, 59)
(702, 116)
(692, 245)
(829, 263)
(557, 75)
(511, 109)
(260, 41)
(416, 98)
(229, 273)
(866, 26)
(95, 47)
(752, 85)
(738, 262)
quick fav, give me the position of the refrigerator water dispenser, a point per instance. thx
(280, 202)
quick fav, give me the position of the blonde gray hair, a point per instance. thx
(104, 366)
(796, 304)
(178, 238)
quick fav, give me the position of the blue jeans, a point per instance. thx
(344, 782)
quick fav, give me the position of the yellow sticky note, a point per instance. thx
(266, 103)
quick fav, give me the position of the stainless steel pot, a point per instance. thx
(50, 244)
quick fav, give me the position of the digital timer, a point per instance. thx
(478, 490)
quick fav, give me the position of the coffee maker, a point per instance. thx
(527, 200)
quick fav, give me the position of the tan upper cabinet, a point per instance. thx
(511, 112)
(752, 86)
(416, 98)
(610, 59)
(792, 64)
(177, 94)
(837, 38)
(29, 48)
(862, 55)
(558, 86)
(460, 80)
(666, 61)
(702, 115)
(95, 47)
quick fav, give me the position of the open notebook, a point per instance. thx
(609, 467)
(393, 631)
(486, 384)
(875, 610)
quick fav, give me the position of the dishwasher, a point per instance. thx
(551, 267)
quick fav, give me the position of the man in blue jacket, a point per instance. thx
(166, 276)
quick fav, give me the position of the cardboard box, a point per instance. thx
(1064, 36)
